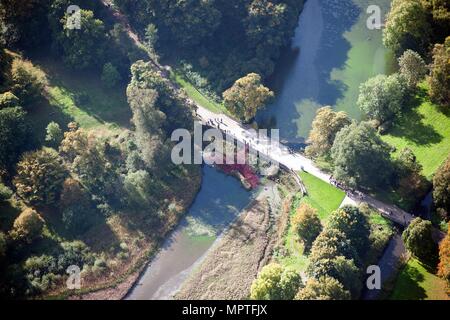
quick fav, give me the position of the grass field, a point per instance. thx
(426, 131)
(80, 97)
(321, 195)
(415, 282)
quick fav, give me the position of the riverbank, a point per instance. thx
(235, 260)
(126, 277)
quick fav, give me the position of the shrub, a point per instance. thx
(5, 192)
(54, 134)
(27, 226)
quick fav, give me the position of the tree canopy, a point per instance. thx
(307, 224)
(407, 27)
(325, 126)
(381, 97)
(275, 282)
(246, 96)
(39, 178)
(419, 241)
(441, 189)
(325, 288)
(360, 157)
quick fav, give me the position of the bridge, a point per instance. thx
(280, 153)
(292, 161)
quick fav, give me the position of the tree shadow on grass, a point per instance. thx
(409, 280)
(411, 126)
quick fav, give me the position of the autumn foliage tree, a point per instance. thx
(307, 224)
(325, 126)
(325, 288)
(444, 259)
(246, 96)
(39, 178)
(28, 82)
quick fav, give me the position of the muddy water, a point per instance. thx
(218, 203)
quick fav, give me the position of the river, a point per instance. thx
(332, 52)
(217, 204)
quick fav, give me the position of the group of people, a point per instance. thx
(349, 191)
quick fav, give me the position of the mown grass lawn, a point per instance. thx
(321, 195)
(426, 131)
(415, 282)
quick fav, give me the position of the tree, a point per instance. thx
(138, 186)
(342, 269)
(27, 226)
(246, 96)
(14, 136)
(325, 288)
(76, 206)
(54, 134)
(444, 259)
(419, 240)
(98, 168)
(353, 223)
(360, 157)
(39, 178)
(441, 189)
(307, 224)
(23, 19)
(3, 245)
(151, 36)
(5, 192)
(325, 126)
(329, 244)
(29, 81)
(275, 282)
(406, 27)
(440, 11)
(148, 122)
(84, 47)
(411, 183)
(439, 79)
(267, 25)
(412, 68)
(8, 100)
(381, 97)
(74, 143)
(110, 76)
